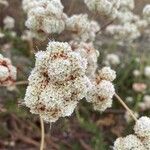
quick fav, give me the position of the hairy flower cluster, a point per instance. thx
(126, 16)
(82, 28)
(145, 104)
(128, 26)
(126, 32)
(9, 22)
(28, 5)
(147, 71)
(105, 7)
(102, 90)
(129, 4)
(112, 59)
(4, 2)
(45, 16)
(146, 12)
(57, 82)
(142, 127)
(130, 142)
(136, 73)
(8, 72)
(88, 52)
(138, 141)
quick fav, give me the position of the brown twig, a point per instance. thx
(42, 134)
(126, 107)
(16, 83)
(21, 83)
(71, 6)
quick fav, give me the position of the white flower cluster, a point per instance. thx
(63, 75)
(4, 2)
(8, 72)
(57, 82)
(102, 90)
(138, 141)
(129, 99)
(126, 32)
(45, 16)
(82, 28)
(142, 127)
(27, 35)
(105, 7)
(9, 22)
(147, 71)
(28, 5)
(125, 15)
(129, 4)
(130, 142)
(145, 104)
(112, 60)
(146, 12)
(136, 73)
(128, 26)
(88, 52)
(1, 35)
(106, 73)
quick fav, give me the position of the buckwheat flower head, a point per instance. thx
(126, 32)
(106, 73)
(129, 99)
(112, 59)
(27, 5)
(136, 73)
(106, 7)
(125, 15)
(147, 71)
(127, 4)
(82, 28)
(146, 100)
(57, 82)
(1, 35)
(139, 87)
(130, 142)
(103, 105)
(87, 51)
(27, 35)
(105, 89)
(141, 24)
(100, 95)
(9, 22)
(146, 12)
(4, 2)
(146, 143)
(142, 127)
(142, 106)
(47, 17)
(7, 71)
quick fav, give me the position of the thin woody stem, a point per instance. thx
(42, 134)
(71, 6)
(21, 82)
(126, 107)
(17, 83)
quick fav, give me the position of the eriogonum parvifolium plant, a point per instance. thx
(140, 140)
(8, 72)
(61, 78)
(70, 68)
